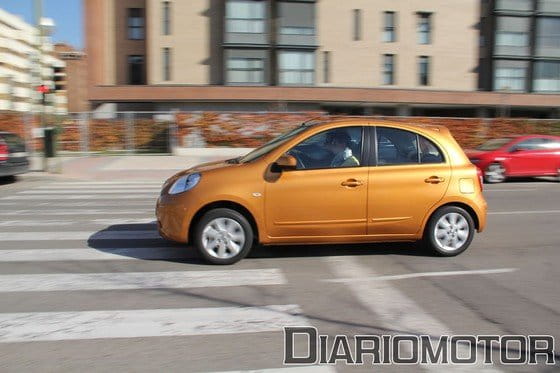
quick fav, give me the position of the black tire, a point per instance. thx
(229, 214)
(430, 241)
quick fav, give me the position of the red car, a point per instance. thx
(532, 155)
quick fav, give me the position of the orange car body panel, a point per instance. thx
(393, 203)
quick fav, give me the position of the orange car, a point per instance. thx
(329, 182)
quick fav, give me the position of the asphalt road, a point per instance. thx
(86, 284)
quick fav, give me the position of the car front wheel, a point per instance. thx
(223, 236)
(450, 231)
(495, 173)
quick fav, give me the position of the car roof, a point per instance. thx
(372, 121)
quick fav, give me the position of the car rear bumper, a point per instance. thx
(11, 168)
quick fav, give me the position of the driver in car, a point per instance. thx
(338, 142)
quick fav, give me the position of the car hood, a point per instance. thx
(473, 153)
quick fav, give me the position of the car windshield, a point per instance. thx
(273, 144)
(494, 144)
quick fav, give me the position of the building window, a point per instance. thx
(547, 76)
(245, 16)
(512, 36)
(326, 67)
(244, 70)
(510, 76)
(551, 6)
(424, 70)
(135, 70)
(424, 28)
(388, 69)
(136, 23)
(389, 27)
(548, 36)
(296, 18)
(515, 5)
(166, 17)
(357, 14)
(296, 68)
(166, 64)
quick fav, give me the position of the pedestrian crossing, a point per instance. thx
(69, 240)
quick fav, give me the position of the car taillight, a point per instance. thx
(480, 178)
(3, 151)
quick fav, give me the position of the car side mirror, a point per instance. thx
(285, 162)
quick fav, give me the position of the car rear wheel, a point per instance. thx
(450, 231)
(223, 236)
(495, 173)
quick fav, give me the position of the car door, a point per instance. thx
(410, 175)
(526, 157)
(327, 194)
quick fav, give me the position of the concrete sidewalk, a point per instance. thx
(129, 167)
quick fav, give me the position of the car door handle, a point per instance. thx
(434, 180)
(352, 183)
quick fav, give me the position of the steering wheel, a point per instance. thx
(297, 155)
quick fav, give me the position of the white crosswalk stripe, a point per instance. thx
(139, 280)
(56, 326)
(46, 223)
(75, 196)
(81, 213)
(82, 254)
(79, 235)
(87, 192)
(394, 308)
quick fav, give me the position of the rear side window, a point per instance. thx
(401, 147)
(14, 142)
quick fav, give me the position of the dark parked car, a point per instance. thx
(13, 155)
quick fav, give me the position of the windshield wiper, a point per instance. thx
(233, 160)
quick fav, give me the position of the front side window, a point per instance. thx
(424, 28)
(334, 148)
(245, 16)
(529, 144)
(389, 27)
(135, 23)
(241, 70)
(400, 147)
(296, 68)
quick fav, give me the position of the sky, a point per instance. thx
(67, 15)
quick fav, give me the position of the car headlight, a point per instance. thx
(184, 183)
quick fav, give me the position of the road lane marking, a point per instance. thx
(80, 221)
(521, 212)
(80, 197)
(79, 235)
(422, 274)
(52, 255)
(139, 280)
(57, 326)
(395, 310)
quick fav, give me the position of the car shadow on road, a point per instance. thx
(141, 241)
